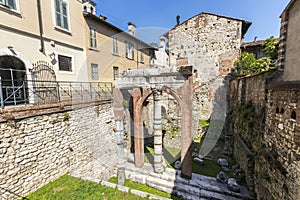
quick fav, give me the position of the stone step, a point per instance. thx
(199, 187)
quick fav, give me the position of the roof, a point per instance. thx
(245, 24)
(254, 43)
(288, 7)
(97, 19)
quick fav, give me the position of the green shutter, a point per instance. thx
(12, 4)
(58, 13)
(65, 15)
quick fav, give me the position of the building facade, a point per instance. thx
(289, 42)
(51, 32)
(110, 50)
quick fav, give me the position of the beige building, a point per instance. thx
(49, 31)
(110, 50)
(288, 57)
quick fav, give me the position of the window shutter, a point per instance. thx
(58, 13)
(132, 52)
(127, 49)
(12, 4)
(65, 15)
(117, 50)
(95, 39)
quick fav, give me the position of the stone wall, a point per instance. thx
(39, 148)
(211, 44)
(282, 143)
(267, 121)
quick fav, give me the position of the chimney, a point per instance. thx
(89, 6)
(131, 28)
(162, 42)
(103, 17)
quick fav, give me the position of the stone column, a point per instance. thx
(121, 157)
(157, 126)
(119, 118)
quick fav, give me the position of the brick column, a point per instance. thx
(186, 137)
(138, 128)
(157, 126)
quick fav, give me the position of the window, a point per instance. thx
(93, 39)
(64, 63)
(61, 14)
(142, 56)
(116, 72)
(129, 51)
(11, 4)
(94, 71)
(152, 57)
(115, 46)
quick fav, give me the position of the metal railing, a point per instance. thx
(16, 92)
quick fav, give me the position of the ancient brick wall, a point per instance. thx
(37, 149)
(267, 121)
(210, 43)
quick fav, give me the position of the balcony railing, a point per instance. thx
(24, 92)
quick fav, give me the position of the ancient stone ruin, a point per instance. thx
(142, 83)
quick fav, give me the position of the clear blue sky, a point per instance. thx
(264, 14)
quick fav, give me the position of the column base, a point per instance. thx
(189, 177)
(158, 169)
(121, 176)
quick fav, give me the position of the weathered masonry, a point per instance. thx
(40, 143)
(211, 43)
(266, 126)
(140, 84)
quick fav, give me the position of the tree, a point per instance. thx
(243, 64)
(271, 47)
(247, 64)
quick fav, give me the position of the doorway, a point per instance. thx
(13, 81)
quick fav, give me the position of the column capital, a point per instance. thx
(156, 94)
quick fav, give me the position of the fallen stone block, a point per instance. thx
(222, 177)
(232, 185)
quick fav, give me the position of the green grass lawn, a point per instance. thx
(70, 188)
(144, 188)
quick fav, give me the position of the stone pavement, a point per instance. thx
(199, 187)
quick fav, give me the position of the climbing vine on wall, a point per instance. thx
(247, 122)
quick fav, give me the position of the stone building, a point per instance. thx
(211, 43)
(267, 128)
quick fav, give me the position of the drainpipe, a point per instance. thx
(42, 49)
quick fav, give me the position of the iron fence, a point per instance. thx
(18, 91)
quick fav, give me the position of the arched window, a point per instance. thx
(13, 80)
